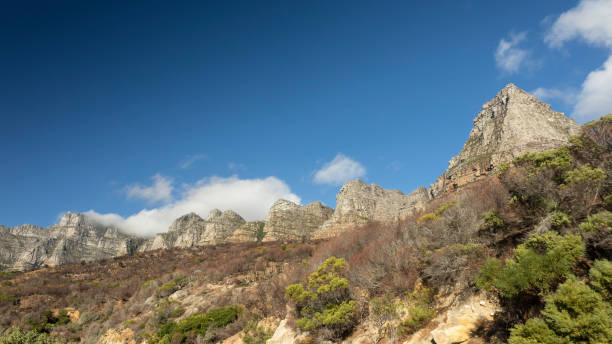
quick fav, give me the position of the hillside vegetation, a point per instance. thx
(536, 238)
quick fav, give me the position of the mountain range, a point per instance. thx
(512, 123)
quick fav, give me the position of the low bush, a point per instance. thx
(188, 329)
(600, 278)
(492, 221)
(437, 213)
(537, 265)
(324, 303)
(382, 311)
(253, 334)
(608, 202)
(420, 312)
(601, 221)
(573, 314)
(560, 220)
(18, 336)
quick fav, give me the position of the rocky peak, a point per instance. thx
(186, 221)
(290, 221)
(512, 123)
(358, 203)
(73, 239)
(214, 214)
(191, 230)
(70, 219)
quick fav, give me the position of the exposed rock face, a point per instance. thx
(191, 230)
(248, 232)
(458, 323)
(289, 221)
(73, 240)
(512, 123)
(358, 203)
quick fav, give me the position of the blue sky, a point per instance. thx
(139, 112)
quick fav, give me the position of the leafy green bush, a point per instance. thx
(18, 336)
(560, 220)
(170, 287)
(259, 231)
(608, 202)
(585, 174)
(437, 213)
(324, 301)
(573, 314)
(600, 277)
(197, 325)
(492, 221)
(558, 160)
(254, 334)
(6, 298)
(601, 221)
(420, 312)
(537, 265)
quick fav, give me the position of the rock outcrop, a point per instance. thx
(459, 322)
(289, 221)
(249, 232)
(358, 203)
(191, 230)
(512, 123)
(73, 240)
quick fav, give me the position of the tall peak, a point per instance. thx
(214, 214)
(72, 219)
(185, 221)
(514, 122)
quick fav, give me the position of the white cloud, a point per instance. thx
(590, 21)
(185, 164)
(251, 198)
(160, 190)
(508, 56)
(339, 170)
(595, 99)
(568, 95)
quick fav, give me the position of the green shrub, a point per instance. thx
(418, 318)
(573, 314)
(437, 214)
(601, 221)
(259, 231)
(608, 202)
(18, 336)
(600, 277)
(147, 284)
(176, 313)
(558, 160)
(6, 298)
(537, 265)
(492, 221)
(254, 334)
(420, 312)
(324, 301)
(560, 220)
(172, 286)
(197, 324)
(585, 174)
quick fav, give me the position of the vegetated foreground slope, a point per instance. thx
(532, 244)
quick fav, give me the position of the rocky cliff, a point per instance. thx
(512, 123)
(73, 240)
(191, 230)
(358, 203)
(289, 221)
